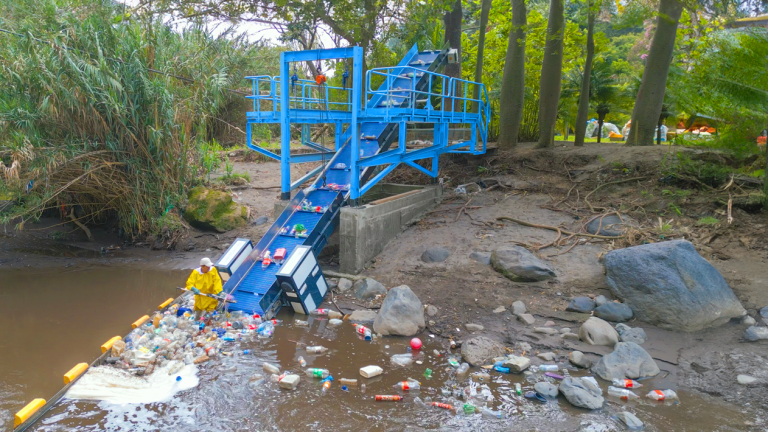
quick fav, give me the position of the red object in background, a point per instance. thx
(280, 254)
(761, 140)
(320, 79)
(416, 343)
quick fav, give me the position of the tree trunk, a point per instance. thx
(452, 24)
(650, 97)
(765, 174)
(551, 74)
(513, 82)
(586, 79)
(600, 121)
(485, 9)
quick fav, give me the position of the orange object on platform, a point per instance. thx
(320, 79)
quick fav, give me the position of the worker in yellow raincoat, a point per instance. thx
(204, 279)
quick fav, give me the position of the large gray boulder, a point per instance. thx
(582, 393)
(670, 285)
(480, 350)
(628, 360)
(611, 225)
(401, 314)
(612, 311)
(546, 389)
(755, 333)
(435, 254)
(581, 305)
(366, 289)
(519, 265)
(595, 331)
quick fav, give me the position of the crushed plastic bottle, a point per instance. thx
(662, 395)
(469, 409)
(621, 393)
(317, 373)
(428, 373)
(487, 412)
(402, 359)
(408, 385)
(626, 383)
(266, 329)
(302, 362)
(301, 323)
(462, 371)
(316, 349)
(266, 259)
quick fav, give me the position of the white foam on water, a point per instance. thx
(117, 386)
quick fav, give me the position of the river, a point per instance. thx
(57, 317)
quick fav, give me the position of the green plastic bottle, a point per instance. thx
(469, 409)
(428, 373)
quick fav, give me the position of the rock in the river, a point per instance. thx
(481, 257)
(516, 364)
(670, 285)
(435, 254)
(261, 220)
(582, 393)
(595, 331)
(474, 327)
(755, 333)
(363, 316)
(344, 285)
(519, 265)
(480, 350)
(431, 310)
(210, 209)
(577, 358)
(572, 336)
(366, 289)
(746, 379)
(581, 304)
(546, 389)
(518, 308)
(547, 356)
(527, 318)
(499, 309)
(610, 225)
(629, 419)
(629, 334)
(612, 311)
(748, 320)
(401, 314)
(545, 330)
(600, 300)
(628, 360)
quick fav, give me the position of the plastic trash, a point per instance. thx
(363, 331)
(371, 371)
(544, 368)
(290, 382)
(326, 386)
(428, 373)
(518, 389)
(626, 383)
(301, 323)
(348, 381)
(416, 343)
(271, 369)
(417, 400)
(480, 377)
(442, 405)
(317, 373)
(302, 362)
(256, 377)
(502, 369)
(388, 398)
(621, 393)
(535, 395)
(487, 412)
(408, 385)
(662, 395)
(316, 349)
(335, 322)
(462, 371)
(402, 359)
(266, 329)
(469, 409)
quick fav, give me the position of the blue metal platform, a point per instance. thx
(410, 92)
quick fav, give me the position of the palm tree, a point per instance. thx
(603, 92)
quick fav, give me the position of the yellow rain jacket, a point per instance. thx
(208, 283)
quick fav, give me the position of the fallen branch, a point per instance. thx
(80, 224)
(560, 230)
(586, 200)
(463, 209)
(332, 273)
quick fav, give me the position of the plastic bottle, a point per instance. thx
(302, 362)
(417, 400)
(316, 349)
(544, 368)
(319, 312)
(363, 331)
(271, 369)
(518, 389)
(428, 373)
(661, 395)
(326, 386)
(348, 381)
(388, 398)
(469, 409)
(492, 414)
(501, 369)
(621, 393)
(462, 371)
(480, 377)
(156, 320)
(408, 385)
(442, 405)
(626, 383)
(317, 373)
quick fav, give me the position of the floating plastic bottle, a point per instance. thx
(544, 368)
(388, 398)
(302, 362)
(453, 362)
(363, 331)
(326, 386)
(316, 349)
(626, 383)
(502, 369)
(271, 369)
(480, 377)
(462, 371)
(469, 409)
(518, 389)
(492, 414)
(317, 373)
(428, 373)
(621, 393)
(662, 395)
(266, 329)
(442, 405)
(348, 381)
(408, 385)
(417, 400)
(301, 323)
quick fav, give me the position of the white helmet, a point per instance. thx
(206, 262)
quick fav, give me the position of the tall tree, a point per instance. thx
(551, 73)
(513, 80)
(452, 24)
(650, 97)
(485, 9)
(583, 113)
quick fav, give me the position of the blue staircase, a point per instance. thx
(255, 288)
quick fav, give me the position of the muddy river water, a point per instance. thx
(52, 319)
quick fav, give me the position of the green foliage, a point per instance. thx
(682, 168)
(91, 125)
(708, 220)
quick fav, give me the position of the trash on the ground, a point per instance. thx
(335, 322)
(518, 389)
(402, 359)
(662, 395)
(410, 384)
(302, 362)
(480, 377)
(554, 375)
(428, 373)
(544, 368)
(416, 343)
(317, 373)
(301, 323)
(290, 382)
(371, 371)
(388, 398)
(626, 383)
(621, 393)
(271, 369)
(363, 331)
(492, 414)
(348, 381)
(316, 349)
(462, 371)
(536, 396)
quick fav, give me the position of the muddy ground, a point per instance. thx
(545, 187)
